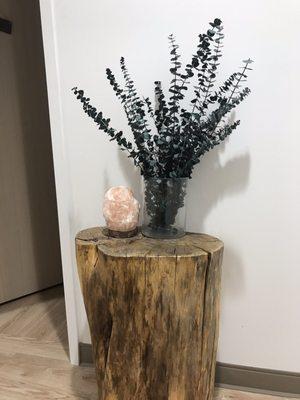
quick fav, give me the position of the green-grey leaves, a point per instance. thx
(181, 134)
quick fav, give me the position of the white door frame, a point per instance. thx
(61, 170)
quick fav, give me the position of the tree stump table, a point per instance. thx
(153, 312)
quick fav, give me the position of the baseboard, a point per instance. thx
(259, 380)
(85, 354)
(250, 379)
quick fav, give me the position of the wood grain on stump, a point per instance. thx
(153, 312)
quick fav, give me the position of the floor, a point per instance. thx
(34, 361)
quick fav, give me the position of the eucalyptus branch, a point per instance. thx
(239, 78)
(181, 137)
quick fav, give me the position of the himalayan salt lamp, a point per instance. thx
(121, 212)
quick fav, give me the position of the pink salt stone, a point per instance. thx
(120, 209)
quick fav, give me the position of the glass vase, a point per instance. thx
(164, 215)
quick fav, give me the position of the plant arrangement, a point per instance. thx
(170, 137)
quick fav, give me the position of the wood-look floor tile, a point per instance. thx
(18, 390)
(229, 394)
(36, 316)
(49, 373)
(12, 345)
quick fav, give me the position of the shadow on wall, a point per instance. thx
(233, 276)
(212, 182)
(131, 174)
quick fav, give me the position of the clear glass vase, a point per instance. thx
(164, 214)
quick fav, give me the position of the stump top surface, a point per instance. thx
(192, 244)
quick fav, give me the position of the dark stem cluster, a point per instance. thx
(163, 198)
(182, 134)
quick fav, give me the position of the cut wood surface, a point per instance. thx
(153, 312)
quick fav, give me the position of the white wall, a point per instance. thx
(246, 192)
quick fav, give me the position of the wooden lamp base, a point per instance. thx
(121, 234)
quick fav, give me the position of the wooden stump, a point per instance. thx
(153, 312)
